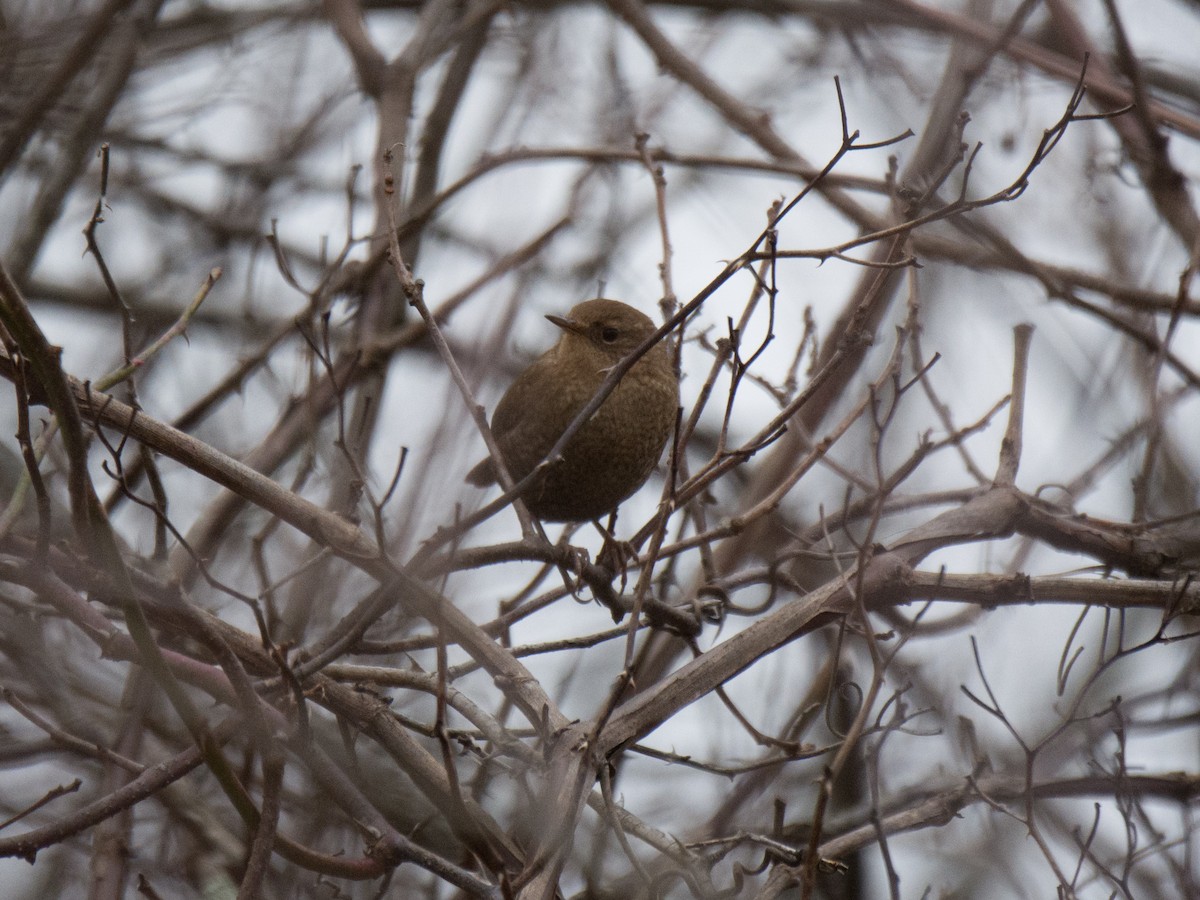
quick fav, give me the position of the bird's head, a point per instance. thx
(603, 328)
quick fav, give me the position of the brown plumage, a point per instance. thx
(615, 451)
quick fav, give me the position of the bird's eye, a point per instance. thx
(609, 334)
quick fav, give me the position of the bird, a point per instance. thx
(614, 452)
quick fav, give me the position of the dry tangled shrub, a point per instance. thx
(907, 608)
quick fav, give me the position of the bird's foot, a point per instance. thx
(578, 570)
(616, 556)
(575, 562)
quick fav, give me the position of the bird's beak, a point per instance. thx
(567, 324)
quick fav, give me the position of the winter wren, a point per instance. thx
(614, 452)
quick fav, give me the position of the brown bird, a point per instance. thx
(615, 451)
